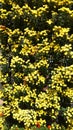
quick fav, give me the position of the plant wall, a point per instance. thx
(37, 63)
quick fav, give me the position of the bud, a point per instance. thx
(38, 125)
(49, 126)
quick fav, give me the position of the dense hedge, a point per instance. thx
(37, 63)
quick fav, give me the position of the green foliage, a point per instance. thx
(37, 64)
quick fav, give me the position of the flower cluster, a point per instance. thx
(37, 63)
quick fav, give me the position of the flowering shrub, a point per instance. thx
(37, 64)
